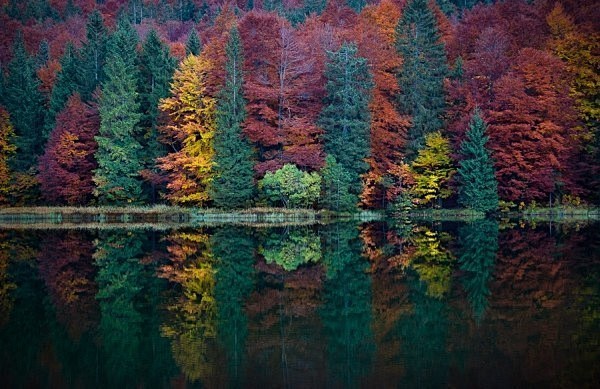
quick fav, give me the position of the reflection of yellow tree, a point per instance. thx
(191, 325)
(432, 261)
(6, 286)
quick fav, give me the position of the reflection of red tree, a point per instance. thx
(67, 267)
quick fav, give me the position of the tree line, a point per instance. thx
(333, 105)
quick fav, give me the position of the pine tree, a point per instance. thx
(25, 103)
(193, 44)
(476, 174)
(356, 5)
(421, 78)
(93, 55)
(67, 82)
(346, 118)
(336, 187)
(43, 54)
(156, 67)
(117, 177)
(233, 185)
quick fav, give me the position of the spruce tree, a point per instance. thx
(421, 78)
(25, 103)
(476, 174)
(233, 185)
(156, 67)
(93, 55)
(67, 82)
(117, 177)
(193, 44)
(345, 117)
(356, 5)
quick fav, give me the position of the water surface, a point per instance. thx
(484, 304)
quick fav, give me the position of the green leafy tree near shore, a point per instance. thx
(117, 177)
(291, 186)
(233, 184)
(476, 175)
(336, 187)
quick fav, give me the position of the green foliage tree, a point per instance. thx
(93, 55)
(356, 5)
(156, 67)
(233, 184)
(336, 187)
(479, 246)
(25, 104)
(478, 188)
(119, 163)
(193, 45)
(432, 170)
(67, 82)
(421, 77)
(291, 186)
(292, 249)
(345, 117)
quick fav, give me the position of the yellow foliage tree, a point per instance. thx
(7, 150)
(190, 132)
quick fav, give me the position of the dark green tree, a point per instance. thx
(336, 187)
(233, 185)
(156, 67)
(476, 174)
(43, 54)
(356, 5)
(67, 82)
(233, 250)
(119, 152)
(193, 45)
(23, 100)
(345, 118)
(93, 55)
(479, 246)
(421, 77)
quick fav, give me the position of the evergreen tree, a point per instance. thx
(193, 44)
(117, 177)
(25, 104)
(345, 117)
(43, 54)
(67, 82)
(356, 5)
(476, 174)
(336, 187)
(93, 55)
(421, 78)
(233, 185)
(156, 67)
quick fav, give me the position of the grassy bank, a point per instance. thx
(461, 214)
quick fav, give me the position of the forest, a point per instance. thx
(334, 104)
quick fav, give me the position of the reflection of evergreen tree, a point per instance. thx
(120, 280)
(233, 249)
(346, 313)
(479, 242)
(291, 248)
(423, 335)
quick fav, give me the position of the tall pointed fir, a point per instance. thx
(23, 100)
(421, 77)
(478, 188)
(93, 55)
(117, 177)
(345, 118)
(233, 185)
(156, 66)
(67, 82)
(193, 45)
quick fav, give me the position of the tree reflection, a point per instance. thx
(347, 310)
(292, 248)
(479, 247)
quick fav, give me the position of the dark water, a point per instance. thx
(343, 305)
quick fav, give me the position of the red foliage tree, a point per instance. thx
(67, 165)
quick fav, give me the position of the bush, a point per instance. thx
(291, 187)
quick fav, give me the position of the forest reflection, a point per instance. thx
(339, 305)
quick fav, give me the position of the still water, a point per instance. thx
(484, 304)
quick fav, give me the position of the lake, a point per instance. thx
(383, 304)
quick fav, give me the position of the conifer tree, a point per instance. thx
(233, 184)
(25, 103)
(421, 77)
(346, 118)
(93, 55)
(156, 67)
(476, 174)
(193, 44)
(67, 82)
(117, 177)
(356, 5)
(336, 187)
